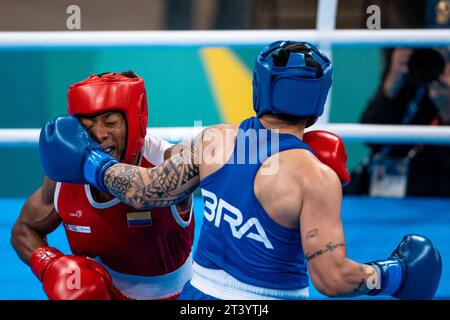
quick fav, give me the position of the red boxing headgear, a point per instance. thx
(114, 92)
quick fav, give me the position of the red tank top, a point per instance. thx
(136, 242)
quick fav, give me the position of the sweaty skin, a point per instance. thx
(304, 194)
(38, 216)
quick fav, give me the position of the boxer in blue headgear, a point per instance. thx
(272, 194)
(291, 78)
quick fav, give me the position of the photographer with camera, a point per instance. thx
(415, 91)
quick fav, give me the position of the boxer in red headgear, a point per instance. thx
(114, 92)
(120, 252)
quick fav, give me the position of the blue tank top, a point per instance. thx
(237, 234)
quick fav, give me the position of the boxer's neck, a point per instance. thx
(270, 122)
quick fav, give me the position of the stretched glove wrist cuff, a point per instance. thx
(41, 258)
(94, 167)
(390, 275)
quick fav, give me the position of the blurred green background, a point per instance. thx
(33, 89)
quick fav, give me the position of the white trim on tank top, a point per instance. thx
(220, 284)
(176, 214)
(151, 287)
(55, 196)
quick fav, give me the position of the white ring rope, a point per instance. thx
(377, 134)
(67, 39)
(350, 132)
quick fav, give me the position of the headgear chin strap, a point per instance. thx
(295, 89)
(114, 92)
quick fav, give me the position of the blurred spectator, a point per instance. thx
(415, 89)
(221, 14)
(438, 14)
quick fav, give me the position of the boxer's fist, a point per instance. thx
(330, 150)
(413, 270)
(68, 153)
(422, 265)
(67, 277)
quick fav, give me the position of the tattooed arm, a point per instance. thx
(185, 205)
(161, 186)
(323, 241)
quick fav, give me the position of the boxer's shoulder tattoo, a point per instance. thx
(161, 186)
(329, 247)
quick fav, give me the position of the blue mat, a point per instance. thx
(373, 227)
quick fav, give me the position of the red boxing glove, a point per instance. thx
(67, 277)
(330, 150)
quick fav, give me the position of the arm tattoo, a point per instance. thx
(367, 281)
(312, 233)
(357, 291)
(330, 247)
(166, 184)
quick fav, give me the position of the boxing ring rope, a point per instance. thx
(88, 39)
(382, 134)
(377, 134)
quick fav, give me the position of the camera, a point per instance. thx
(427, 64)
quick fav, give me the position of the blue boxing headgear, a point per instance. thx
(291, 78)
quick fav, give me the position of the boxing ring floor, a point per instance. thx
(373, 228)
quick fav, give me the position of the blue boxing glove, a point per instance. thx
(68, 153)
(411, 272)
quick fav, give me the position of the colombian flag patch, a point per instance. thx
(139, 219)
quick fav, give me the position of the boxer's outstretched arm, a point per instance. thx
(186, 204)
(323, 241)
(161, 186)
